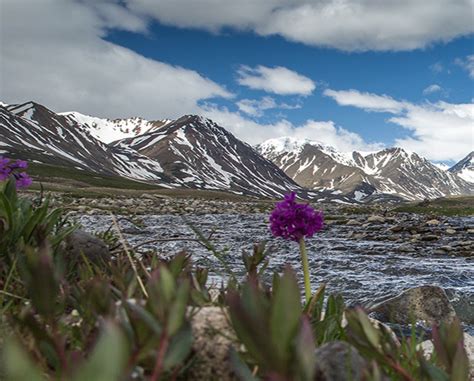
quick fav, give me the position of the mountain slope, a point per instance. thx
(465, 168)
(108, 130)
(393, 171)
(203, 155)
(33, 132)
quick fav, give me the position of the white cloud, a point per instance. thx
(467, 63)
(437, 67)
(352, 25)
(65, 64)
(254, 133)
(431, 89)
(366, 101)
(276, 80)
(439, 131)
(256, 107)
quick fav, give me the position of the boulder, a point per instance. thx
(339, 361)
(80, 242)
(428, 348)
(212, 342)
(429, 304)
(376, 219)
(433, 222)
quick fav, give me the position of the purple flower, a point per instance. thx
(22, 180)
(294, 221)
(9, 168)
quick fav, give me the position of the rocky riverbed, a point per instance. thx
(364, 254)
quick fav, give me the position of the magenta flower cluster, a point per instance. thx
(16, 169)
(294, 221)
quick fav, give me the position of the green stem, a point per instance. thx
(304, 260)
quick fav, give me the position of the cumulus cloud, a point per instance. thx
(276, 80)
(439, 131)
(53, 52)
(352, 25)
(467, 64)
(257, 107)
(253, 132)
(431, 89)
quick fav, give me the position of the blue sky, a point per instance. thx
(401, 75)
(362, 75)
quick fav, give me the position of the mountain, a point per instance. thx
(201, 154)
(33, 132)
(109, 130)
(190, 152)
(465, 168)
(392, 171)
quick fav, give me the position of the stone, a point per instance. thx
(339, 361)
(433, 222)
(353, 222)
(376, 219)
(212, 342)
(80, 242)
(429, 237)
(428, 304)
(428, 348)
(450, 231)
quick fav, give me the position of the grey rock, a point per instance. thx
(80, 242)
(429, 304)
(339, 361)
(376, 219)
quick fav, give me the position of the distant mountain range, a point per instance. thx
(393, 170)
(194, 152)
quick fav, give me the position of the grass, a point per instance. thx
(445, 206)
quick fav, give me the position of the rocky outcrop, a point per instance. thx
(80, 243)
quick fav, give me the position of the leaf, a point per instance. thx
(18, 365)
(460, 365)
(178, 309)
(179, 347)
(285, 315)
(108, 359)
(305, 351)
(240, 368)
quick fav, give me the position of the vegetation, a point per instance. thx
(446, 206)
(131, 317)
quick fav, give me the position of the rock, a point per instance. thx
(429, 304)
(212, 342)
(339, 361)
(93, 248)
(428, 348)
(406, 248)
(450, 231)
(429, 237)
(376, 219)
(470, 231)
(433, 222)
(353, 222)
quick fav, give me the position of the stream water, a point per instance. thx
(362, 271)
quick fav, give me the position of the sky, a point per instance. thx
(355, 74)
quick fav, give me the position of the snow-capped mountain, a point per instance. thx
(392, 171)
(190, 152)
(465, 168)
(203, 155)
(31, 131)
(109, 130)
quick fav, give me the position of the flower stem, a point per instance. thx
(304, 260)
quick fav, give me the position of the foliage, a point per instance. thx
(98, 323)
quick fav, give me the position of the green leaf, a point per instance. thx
(285, 315)
(460, 365)
(18, 365)
(305, 351)
(179, 347)
(240, 368)
(178, 309)
(108, 359)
